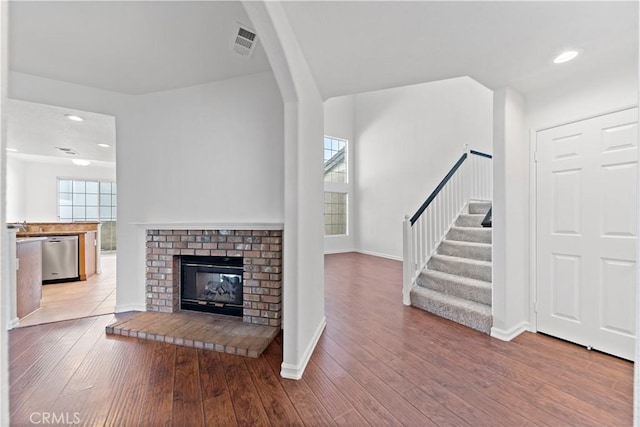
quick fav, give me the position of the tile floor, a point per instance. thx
(74, 300)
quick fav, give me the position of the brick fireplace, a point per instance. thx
(261, 251)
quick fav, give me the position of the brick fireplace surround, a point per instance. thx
(262, 280)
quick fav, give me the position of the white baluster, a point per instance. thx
(446, 206)
(423, 254)
(472, 181)
(408, 265)
(429, 230)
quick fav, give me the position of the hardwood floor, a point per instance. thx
(378, 363)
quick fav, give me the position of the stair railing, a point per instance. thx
(471, 178)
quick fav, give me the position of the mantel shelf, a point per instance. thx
(210, 225)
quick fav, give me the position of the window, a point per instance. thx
(335, 213)
(335, 160)
(80, 200)
(336, 180)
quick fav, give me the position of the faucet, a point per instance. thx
(23, 225)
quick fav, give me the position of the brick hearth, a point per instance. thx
(225, 334)
(262, 280)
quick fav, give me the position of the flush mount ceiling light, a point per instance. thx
(13, 150)
(566, 56)
(81, 162)
(74, 117)
(104, 145)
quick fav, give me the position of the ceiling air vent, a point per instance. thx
(69, 151)
(245, 41)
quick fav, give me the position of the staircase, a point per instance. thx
(456, 284)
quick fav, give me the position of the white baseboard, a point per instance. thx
(340, 251)
(294, 372)
(362, 251)
(511, 333)
(130, 307)
(13, 323)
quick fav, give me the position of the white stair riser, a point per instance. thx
(477, 235)
(465, 251)
(473, 271)
(465, 220)
(481, 294)
(479, 207)
(465, 316)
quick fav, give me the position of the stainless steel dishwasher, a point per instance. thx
(60, 259)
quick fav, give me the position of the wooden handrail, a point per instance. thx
(481, 154)
(439, 188)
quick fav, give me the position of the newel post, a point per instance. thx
(407, 260)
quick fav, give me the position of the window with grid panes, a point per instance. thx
(90, 200)
(336, 180)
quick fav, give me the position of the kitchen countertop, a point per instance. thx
(29, 239)
(51, 233)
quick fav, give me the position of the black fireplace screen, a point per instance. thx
(212, 284)
(218, 287)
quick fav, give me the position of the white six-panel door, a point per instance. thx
(587, 232)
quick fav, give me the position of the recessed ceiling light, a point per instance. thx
(104, 145)
(67, 150)
(74, 117)
(566, 56)
(81, 162)
(13, 150)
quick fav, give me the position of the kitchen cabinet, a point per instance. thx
(28, 275)
(87, 250)
(87, 233)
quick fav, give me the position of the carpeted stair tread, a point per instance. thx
(456, 283)
(463, 249)
(472, 268)
(469, 220)
(469, 234)
(469, 313)
(479, 207)
(451, 284)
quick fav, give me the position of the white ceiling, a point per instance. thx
(37, 129)
(129, 46)
(353, 47)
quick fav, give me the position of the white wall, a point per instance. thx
(32, 192)
(208, 152)
(16, 181)
(5, 293)
(27, 87)
(339, 122)
(303, 293)
(166, 139)
(211, 153)
(510, 216)
(551, 108)
(408, 138)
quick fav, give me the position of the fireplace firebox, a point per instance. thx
(211, 284)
